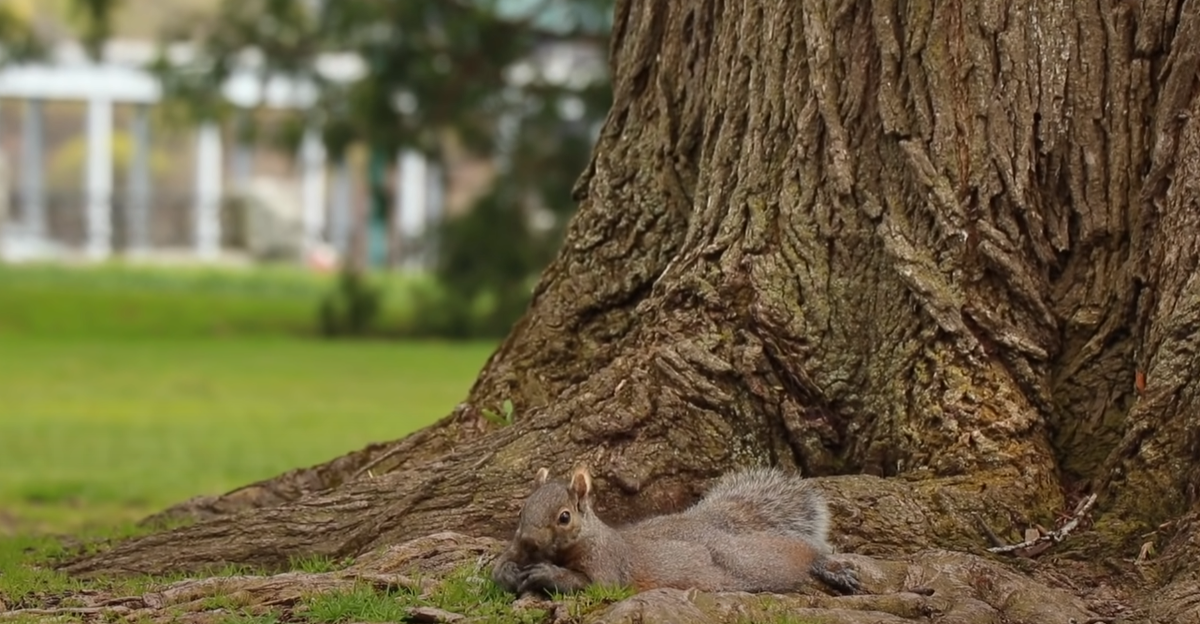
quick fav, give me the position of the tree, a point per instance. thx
(18, 39)
(947, 251)
(433, 74)
(22, 39)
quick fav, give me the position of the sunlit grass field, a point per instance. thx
(130, 301)
(122, 392)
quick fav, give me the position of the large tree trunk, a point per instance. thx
(952, 244)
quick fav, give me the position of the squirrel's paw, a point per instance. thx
(508, 574)
(550, 578)
(837, 574)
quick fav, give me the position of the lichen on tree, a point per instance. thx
(941, 255)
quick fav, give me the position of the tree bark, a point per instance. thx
(950, 244)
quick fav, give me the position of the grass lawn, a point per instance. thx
(124, 389)
(128, 301)
(106, 430)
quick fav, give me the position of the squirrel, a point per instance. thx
(756, 530)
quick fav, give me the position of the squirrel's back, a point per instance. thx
(766, 499)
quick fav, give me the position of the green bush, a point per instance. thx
(488, 262)
(352, 308)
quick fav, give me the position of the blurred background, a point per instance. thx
(243, 236)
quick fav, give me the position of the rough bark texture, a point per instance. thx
(952, 244)
(933, 586)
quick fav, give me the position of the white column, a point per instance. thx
(411, 197)
(138, 210)
(411, 200)
(312, 159)
(33, 190)
(208, 190)
(341, 207)
(99, 178)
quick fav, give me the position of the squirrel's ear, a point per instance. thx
(543, 475)
(581, 482)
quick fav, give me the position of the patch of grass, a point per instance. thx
(212, 603)
(318, 563)
(27, 573)
(245, 618)
(601, 594)
(140, 584)
(593, 598)
(25, 619)
(466, 591)
(105, 431)
(124, 390)
(135, 301)
(24, 571)
(470, 592)
(360, 604)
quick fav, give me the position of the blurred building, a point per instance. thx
(95, 168)
(92, 166)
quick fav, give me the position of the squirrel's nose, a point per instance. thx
(528, 541)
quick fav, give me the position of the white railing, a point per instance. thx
(69, 75)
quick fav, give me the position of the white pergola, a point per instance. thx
(120, 79)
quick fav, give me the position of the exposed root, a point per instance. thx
(949, 587)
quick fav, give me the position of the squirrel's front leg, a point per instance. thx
(548, 577)
(506, 572)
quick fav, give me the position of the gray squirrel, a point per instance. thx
(756, 530)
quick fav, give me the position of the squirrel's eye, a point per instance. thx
(564, 517)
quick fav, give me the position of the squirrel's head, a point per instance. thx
(554, 513)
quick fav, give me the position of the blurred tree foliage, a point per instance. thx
(486, 75)
(18, 39)
(21, 39)
(93, 19)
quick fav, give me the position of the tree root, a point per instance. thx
(882, 517)
(929, 586)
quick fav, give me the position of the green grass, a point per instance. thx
(21, 572)
(318, 563)
(132, 301)
(95, 434)
(27, 577)
(361, 604)
(242, 618)
(126, 388)
(112, 429)
(466, 591)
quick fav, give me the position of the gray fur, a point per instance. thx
(773, 498)
(757, 529)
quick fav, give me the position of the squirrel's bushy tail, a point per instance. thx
(767, 499)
